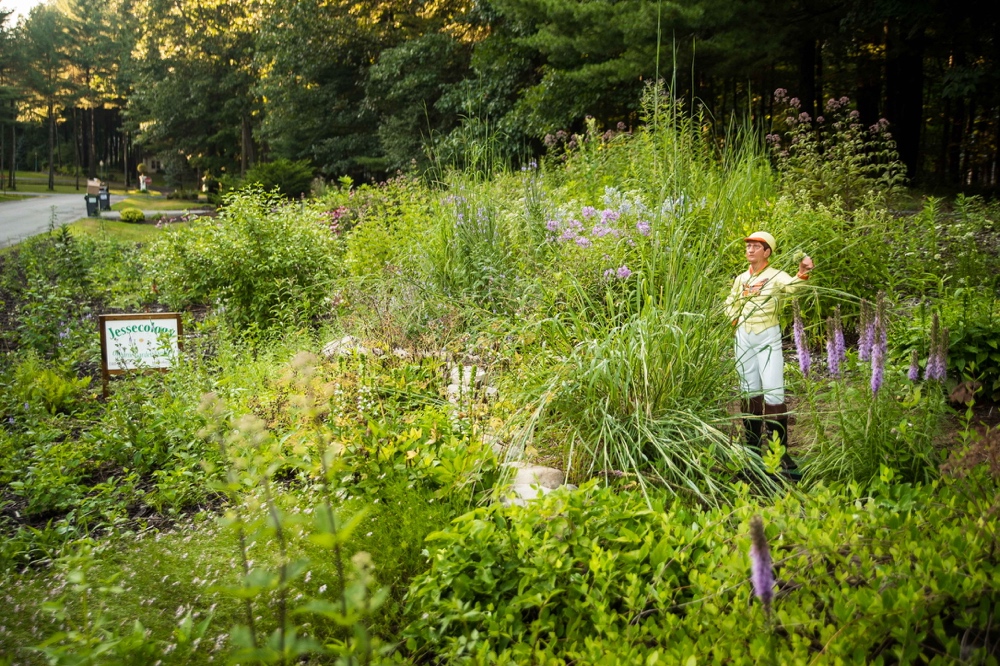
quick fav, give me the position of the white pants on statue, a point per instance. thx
(760, 364)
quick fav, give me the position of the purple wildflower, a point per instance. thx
(866, 331)
(552, 225)
(589, 212)
(609, 273)
(623, 273)
(838, 335)
(914, 374)
(643, 227)
(583, 241)
(832, 355)
(879, 346)
(761, 573)
(936, 369)
(801, 344)
(609, 215)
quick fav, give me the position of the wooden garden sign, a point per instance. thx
(139, 342)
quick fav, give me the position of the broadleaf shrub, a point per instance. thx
(265, 260)
(133, 216)
(594, 576)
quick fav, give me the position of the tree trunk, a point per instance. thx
(12, 178)
(807, 76)
(246, 152)
(77, 147)
(52, 146)
(904, 79)
(92, 146)
(126, 174)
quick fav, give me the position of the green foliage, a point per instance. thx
(595, 576)
(836, 158)
(292, 179)
(133, 215)
(849, 435)
(53, 389)
(265, 260)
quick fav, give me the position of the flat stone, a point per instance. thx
(346, 346)
(546, 477)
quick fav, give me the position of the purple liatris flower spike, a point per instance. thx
(761, 573)
(879, 345)
(914, 374)
(801, 345)
(838, 336)
(832, 356)
(866, 332)
(931, 371)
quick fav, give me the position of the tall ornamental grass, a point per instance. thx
(637, 375)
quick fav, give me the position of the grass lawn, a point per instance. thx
(138, 233)
(157, 202)
(10, 197)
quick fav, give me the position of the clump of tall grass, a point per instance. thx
(638, 373)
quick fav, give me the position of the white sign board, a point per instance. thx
(140, 342)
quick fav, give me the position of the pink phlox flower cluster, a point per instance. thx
(780, 95)
(773, 139)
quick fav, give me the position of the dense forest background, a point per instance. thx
(363, 88)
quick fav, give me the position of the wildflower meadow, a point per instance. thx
(329, 473)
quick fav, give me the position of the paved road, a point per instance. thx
(33, 215)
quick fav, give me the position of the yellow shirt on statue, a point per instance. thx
(755, 299)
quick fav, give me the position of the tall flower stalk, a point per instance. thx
(834, 351)
(801, 344)
(866, 331)
(914, 374)
(879, 345)
(937, 359)
(761, 571)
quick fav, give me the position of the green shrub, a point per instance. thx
(267, 261)
(594, 576)
(292, 179)
(133, 215)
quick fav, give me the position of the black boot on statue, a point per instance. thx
(776, 417)
(753, 424)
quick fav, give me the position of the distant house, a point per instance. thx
(153, 165)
